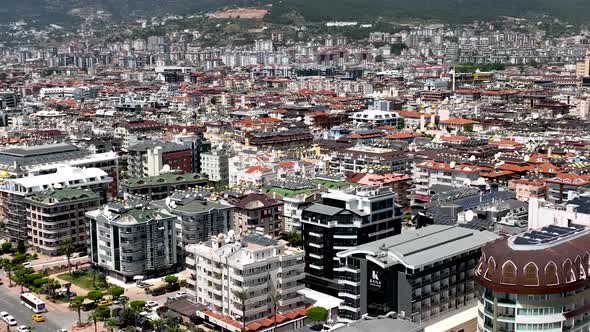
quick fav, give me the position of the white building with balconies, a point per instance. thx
(257, 265)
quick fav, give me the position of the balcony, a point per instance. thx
(347, 308)
(349, 295)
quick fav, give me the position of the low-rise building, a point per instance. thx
(56, 215)
(256, 265)
(429, 173)
(150, 157)
(128, 241)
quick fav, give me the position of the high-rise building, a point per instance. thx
(342, 221)
(132, 240)
(535, 281)
(256, 265)
(59, 214)
(420, 274)
(198, 217)
(258, 213)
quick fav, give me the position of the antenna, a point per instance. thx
(469, 215)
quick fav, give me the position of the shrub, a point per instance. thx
(137, 305)
(317, 314)
(94, 295)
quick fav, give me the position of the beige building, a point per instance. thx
(56, 215)
(526, 188)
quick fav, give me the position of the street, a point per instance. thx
(54, 319)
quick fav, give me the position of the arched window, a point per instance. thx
(570, 276)
(587, 262)
(482, 260)
(551, 277)
(531, 275)
(509, 273)
(579, 268)
(491, 268)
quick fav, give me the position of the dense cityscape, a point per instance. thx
(269, 167)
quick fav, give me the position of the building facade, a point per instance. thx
(14, 192)
(129, 241)
(216, 166)
(258, 213)
(342, 221)
(420, 274)
(535, 281)
(56, 215)
(256, 265)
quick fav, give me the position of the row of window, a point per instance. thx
(536, 327)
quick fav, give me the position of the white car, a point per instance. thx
(151, 304)
(62, 330)
(10, 320)
(180, 295)
(3, 315)
(27, 264)
(23, 328)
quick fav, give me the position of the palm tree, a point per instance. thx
(8, 266)
(242, 295)
(110, 324)
(93, 317)
(275, 297)
(68, 248)
(76, 303)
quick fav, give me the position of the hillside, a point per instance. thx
(453, 11)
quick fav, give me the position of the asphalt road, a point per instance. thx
(10, 303)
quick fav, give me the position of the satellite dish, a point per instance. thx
(469, 215)
(168, 200)
(472, 158)
(526, 157)
(166, 168)
(452, 164)
(467, 182)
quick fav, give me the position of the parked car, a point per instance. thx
(23, 328)
(10, 320)
(27, 264)
(151, 304)
(3, 315)
(158, 291)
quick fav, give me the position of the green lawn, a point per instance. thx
(83, 279)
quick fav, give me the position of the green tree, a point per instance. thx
(21, 247)
(116, 291)
(171, 279)
(317, 314)
(94, 295)
(67, 248)
(76, 304)
(7, 247)
(8, 267)
(137, 305)
(295, 239)
(102, 313)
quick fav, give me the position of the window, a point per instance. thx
(569, 271)
(491, 268)
(531, 275)
(551, 277)
(509, 273)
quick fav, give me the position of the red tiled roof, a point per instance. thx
(458, 121)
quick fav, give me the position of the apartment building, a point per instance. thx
(430, 172)
(535, 281)
(161, 186)
(258, 213)
(198, 218)
(361, 159)
(256, 265)
(561, 187)
(422, 274)
(149, 158)
(127, 131)
(14, 192)
(132, 240)
(215, 165)
(342, 221)
(55, 215)
(45, 159)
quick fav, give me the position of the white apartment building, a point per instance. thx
(543, 213)
(255, 264)
(215, 165)
(429, 173)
